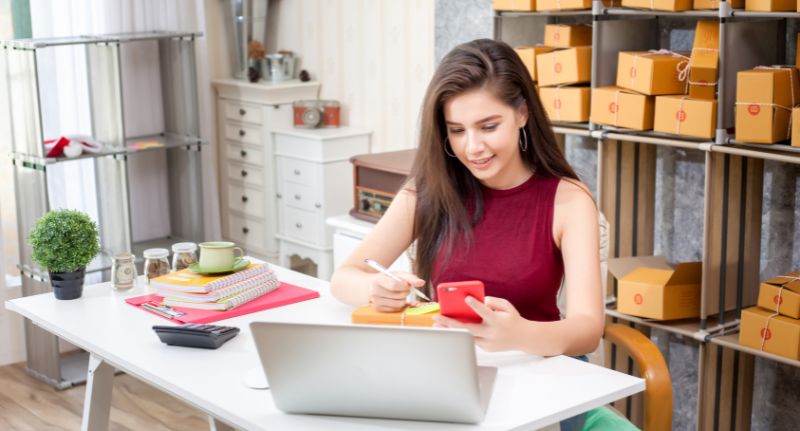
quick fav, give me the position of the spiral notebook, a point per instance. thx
(221, 293)
(285, 294)
(187, 281)
(229, 301)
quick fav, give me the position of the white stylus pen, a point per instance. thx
(380, 268)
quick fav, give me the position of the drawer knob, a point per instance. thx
(241, 133)
(244, 173)
(242, 112)
(297, 171)
(243, 153)
(244, 198)
(299, 225)
(318, 205)
(297, 197)
(245, 230)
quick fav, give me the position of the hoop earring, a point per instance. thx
(445, 148)
(523, 142)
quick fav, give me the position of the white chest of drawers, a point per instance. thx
(315, 181)
(246, 116)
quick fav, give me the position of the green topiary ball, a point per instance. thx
(64, 240)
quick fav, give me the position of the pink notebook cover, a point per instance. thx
(283, 295)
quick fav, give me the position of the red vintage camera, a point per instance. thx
(316, 113)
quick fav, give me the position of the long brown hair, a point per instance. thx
(443, 183)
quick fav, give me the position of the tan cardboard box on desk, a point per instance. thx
(763, 330)
(618, 107)
(764, 100)
(570, 104)
(652, 73)
(648, 286)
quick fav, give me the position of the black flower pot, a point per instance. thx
(67, 285)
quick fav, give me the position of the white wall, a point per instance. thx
(374, 56)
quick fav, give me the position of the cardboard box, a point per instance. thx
(770, 5)
(704, 63)
(618, 107)
(648, 286)
(714, 4)
(797, 46)
(681, 115)
(368, 315)
(763, 104)
(789, 296)
(514, 5)
(652, 73)
(567, 36)
(569, 104)
(795, 130)
(780, 336)
(528, 55)
(546, 5)
(670, 5)
(567, 66)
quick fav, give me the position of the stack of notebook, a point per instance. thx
(215, 292)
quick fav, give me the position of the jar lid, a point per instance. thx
(155, 253)
(123, 257)
(184, 247)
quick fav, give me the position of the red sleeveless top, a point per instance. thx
(512, 251)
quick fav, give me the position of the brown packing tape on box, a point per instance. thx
(681, 115)
(514, 5)
(668, 5)
(714, 4)
(618, 107)
(770, 332)
(570, 104)
(368, 315)
(781, 295)
(528, 56)
(566, 66)
(770, 5)
(764, 97)
(653, 72)
(567, 36)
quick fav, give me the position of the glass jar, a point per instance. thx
(156, 263)
(123, 271)
(183, 255)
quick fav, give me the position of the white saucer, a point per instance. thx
(255, 379)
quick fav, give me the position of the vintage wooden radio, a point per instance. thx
(376, 180)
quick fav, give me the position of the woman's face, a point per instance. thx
(484, 135)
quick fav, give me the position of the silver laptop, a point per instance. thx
(374, 371)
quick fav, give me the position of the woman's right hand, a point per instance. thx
(387, 294)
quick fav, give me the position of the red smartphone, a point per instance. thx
(452, 297)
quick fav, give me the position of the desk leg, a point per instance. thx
(97, 403)
(217, 425)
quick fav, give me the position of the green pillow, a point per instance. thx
(603, 419)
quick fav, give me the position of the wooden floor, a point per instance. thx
(29, 404)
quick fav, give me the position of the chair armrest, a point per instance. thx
(658, 393)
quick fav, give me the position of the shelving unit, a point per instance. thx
(169, 63)
(731, 202)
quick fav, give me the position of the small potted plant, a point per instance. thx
(64, 242)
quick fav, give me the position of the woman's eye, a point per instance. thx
(456, 131)
(490, 127)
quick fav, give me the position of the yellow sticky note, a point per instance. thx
(425, 309)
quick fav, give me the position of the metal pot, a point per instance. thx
(279, 67)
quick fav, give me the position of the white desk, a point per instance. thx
(530, 392)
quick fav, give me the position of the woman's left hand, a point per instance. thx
(501, 326)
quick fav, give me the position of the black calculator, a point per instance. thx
(195, 335)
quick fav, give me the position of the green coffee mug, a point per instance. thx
(218, 255)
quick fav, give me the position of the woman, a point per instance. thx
(490, 198)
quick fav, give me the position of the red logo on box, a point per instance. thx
(557, 103)
(556, 36)
(766, 333)
(680, 115)
(638, 299)
(753, 109)
(612, 107)
(557, 67)
(778, 299)
(632, 72)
